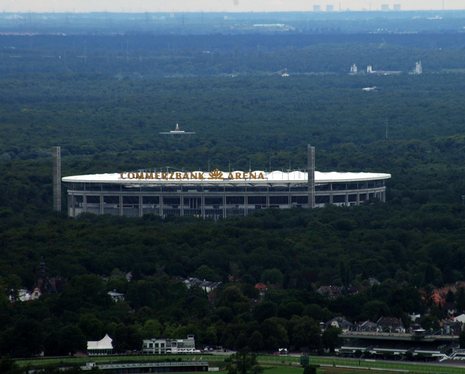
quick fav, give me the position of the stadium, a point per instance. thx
(218, 194)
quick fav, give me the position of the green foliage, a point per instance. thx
(243, 363)
(8, 366)
(106, 118)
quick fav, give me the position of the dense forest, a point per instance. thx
(105, 98)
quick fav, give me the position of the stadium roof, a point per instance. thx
(255, 177)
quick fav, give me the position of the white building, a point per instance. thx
(353, 69)
(100, 347)
(163, 346)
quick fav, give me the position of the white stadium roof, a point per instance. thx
(130, 178)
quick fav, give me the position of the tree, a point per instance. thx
(330, 338)
(8, 366)
(243, 363)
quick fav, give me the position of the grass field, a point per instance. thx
(274, 364)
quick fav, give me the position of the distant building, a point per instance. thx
(116, 296)
(331, 292)
(205, 285)
(340, 323)
(24, 295)
(100, 347)
(385, 7)
(353, 69)
(370, 70)
(397, 7)
(163, 346)
(367, 326)
(330, 8)
(460, 318)
(262, 289)
(391, 324)
(317, 8)
(418, 68)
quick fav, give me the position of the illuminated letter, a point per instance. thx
(253, 175)
(121, 176)
(261, 176)
(238, 175)
(149, 175)
(164, 175)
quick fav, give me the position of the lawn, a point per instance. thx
(276, 364)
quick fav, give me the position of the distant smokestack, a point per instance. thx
(57, 179)
(311, 175)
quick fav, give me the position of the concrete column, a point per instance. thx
(224, 205)
(73, 206)
(161, 205)
(181, 205)
(101, 204)
(347, 199)
(84, 203)
(121, 210)
(141, 211)
(202, 205)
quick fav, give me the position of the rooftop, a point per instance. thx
(216, 177)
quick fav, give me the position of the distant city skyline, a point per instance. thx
(218, 5)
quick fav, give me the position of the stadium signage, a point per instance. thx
(193, 175)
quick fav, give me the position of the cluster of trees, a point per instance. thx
(412, 127)
(292, 252)
(141, 56)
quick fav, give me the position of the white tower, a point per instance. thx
(353, 69)
(369, 69)
(418, 68)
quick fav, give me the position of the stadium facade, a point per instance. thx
(218, 194)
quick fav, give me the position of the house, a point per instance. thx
(460, 318)
(331, 292)
(24, 295)
(262, 288)
(449, 327)
(100, 347)
(367, 326)
(163, 346)
(340, 323)
(390, 324)
(205, 285)
(116, 296)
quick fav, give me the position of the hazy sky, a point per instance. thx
(214, 5)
